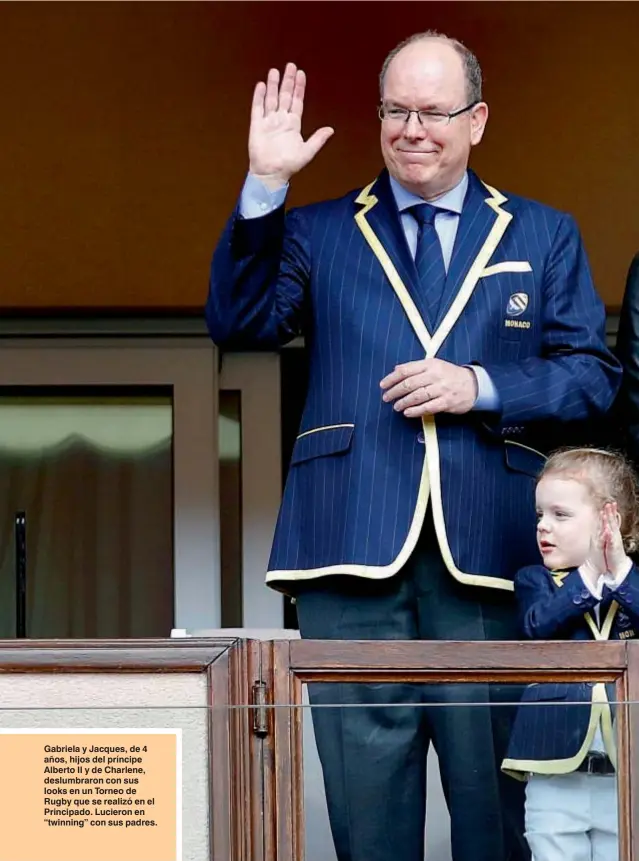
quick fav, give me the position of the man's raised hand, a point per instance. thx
(277, 149)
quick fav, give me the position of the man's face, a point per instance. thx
(429, 159)
(567, 521)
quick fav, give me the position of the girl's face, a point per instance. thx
(568, 520)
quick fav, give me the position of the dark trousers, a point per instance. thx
(374, 757)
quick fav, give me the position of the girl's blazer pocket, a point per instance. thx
(322, 441)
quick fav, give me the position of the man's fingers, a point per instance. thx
(402, 372)
(289, 82)
(271, 97)
(430, 408)
(317, 140)
(406, 386)
(257, 105)
(419, 395)
(299, 88)
(271, 100)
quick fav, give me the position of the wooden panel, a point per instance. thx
(74, 656)
(221, 789)
(393, 661)
(274, 747)
(287, 758)
(456, 661)
(225, 663)
(629, 760)
(251, 805)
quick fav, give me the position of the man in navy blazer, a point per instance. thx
(446, 322)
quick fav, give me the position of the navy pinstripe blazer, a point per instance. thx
(519, 300)
(556, 722)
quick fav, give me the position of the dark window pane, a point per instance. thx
(230, 437)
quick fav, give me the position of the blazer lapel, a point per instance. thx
(380, 223)
(481, 227)
(607, 613)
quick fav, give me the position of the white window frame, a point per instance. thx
(257, 377)
(189, 365)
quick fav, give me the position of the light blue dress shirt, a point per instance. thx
(446, 221)
(257, 200)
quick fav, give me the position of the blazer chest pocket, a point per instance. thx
(522, 458)
(322, 441)
(510, 285)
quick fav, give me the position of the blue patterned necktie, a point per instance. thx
(429, 260)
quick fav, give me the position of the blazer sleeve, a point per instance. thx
(546, 609)
(258, 288)
(627, 406)
(627, 595)
(575, 377)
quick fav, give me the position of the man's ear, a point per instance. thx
(478, 120)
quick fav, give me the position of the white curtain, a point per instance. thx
(99, 538)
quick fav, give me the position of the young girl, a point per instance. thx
(587, 588)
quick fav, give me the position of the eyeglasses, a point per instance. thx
(394, 114)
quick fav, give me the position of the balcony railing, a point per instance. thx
(241, 709)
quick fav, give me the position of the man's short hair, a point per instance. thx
(472, 69)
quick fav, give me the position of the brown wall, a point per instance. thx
(124, 124)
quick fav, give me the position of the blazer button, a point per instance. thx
(576, 599)
(585, 594)
(420, 437)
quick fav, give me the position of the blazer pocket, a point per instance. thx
(540, 692)
(322, 441)
(522, 458)
(506, 266)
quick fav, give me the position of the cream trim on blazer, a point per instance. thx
(599, 710)
(507, 266)
(323, 428)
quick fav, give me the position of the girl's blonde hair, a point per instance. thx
(609, 476)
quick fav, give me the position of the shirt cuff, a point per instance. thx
(257, 200)
(615, 582)
(488, 399)
(606, 580)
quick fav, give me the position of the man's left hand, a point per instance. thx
(430, 386)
